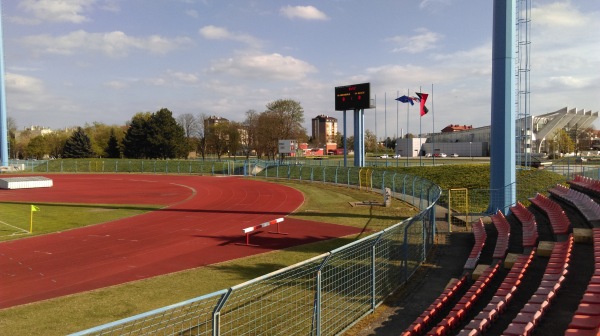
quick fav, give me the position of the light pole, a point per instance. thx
(470, 152)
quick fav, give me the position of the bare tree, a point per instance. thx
(201, 143)
(189, 123)
(249, 137)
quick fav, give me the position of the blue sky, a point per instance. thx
(71, 62)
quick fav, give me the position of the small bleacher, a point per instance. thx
(469, 311)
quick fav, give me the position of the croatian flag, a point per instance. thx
(422, 98)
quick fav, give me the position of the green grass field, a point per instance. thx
(17, 220)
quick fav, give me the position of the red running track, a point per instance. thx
(200, 225)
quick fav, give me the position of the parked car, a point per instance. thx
(397, 156)
(384, 156)
(440, 155)
(454, 155)
(428, 155)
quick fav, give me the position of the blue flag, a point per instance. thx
(405, 99)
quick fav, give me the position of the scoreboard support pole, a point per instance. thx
(345, 142)
(359, 138)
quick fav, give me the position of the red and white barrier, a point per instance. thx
(247, 231)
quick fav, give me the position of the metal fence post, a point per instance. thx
(374, 272)
(318, 304)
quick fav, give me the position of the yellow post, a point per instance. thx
(33, 209)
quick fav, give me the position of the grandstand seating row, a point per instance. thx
(442, 303)
(502, 297)
(559, 221)
(586, 320)
(527, 219)
(552, 280)
(478, 229)
(582, 202)
(585, 184)
(466, 303)
(503, 228)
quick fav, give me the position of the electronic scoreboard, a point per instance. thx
(353, 97)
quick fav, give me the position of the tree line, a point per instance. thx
(159, 135)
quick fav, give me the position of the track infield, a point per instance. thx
(201, 224)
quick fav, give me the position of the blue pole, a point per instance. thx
(3, 117)
(502, 158)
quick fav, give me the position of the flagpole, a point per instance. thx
(420, 132)
(376, 124)
(407, 129)
(385, 115)
(432, 122)
(30, 219)
(397, 134)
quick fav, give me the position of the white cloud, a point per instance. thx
(24, 84)
(112, 44)
(192, 13)
(264, 66)
(433, 3)
(559, 15)
(219, 33)
(303, 12)
(424, 40)
(32, 102)
(57, 10)
(117, 85)
(173, 78)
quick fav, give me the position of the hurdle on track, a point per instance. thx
(247, 231)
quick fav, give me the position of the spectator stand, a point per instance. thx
(533, 311)
(586, 320)
(530, 230)
(585, 184)
(559, 221)
(580, 201)
(478, 229)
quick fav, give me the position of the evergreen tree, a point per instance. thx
(166, 137)
(155, 135)
(135, 142)
(112, 150)
(78, 145)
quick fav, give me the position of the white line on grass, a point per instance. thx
(14, 227)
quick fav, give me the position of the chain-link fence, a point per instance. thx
(324, 295)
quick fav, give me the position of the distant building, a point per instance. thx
(532, 134)
(324, 129)
(39, 130)
(213, 120)
(456, 128)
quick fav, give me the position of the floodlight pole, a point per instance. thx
(3, 117)
(502, 158)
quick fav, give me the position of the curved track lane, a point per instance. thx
(202, 221)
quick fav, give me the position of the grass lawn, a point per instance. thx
(17, 220)
(80, 311)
